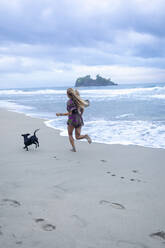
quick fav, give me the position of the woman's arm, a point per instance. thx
(82, 111)
(62, 114)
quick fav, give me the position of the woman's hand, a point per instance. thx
(62, 114)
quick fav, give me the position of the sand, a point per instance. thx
(102, 196)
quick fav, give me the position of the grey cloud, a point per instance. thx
(63, 25)
(67, 32)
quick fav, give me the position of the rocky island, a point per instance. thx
(88, 81)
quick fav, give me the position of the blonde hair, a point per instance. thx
(77, 92)
(75, 96)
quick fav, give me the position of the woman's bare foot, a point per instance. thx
(73, 149)
(88, 139)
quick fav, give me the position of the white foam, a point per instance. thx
(35, 92)
(93, 93)
(124, 116)
(14, 106)
(58, 124)
(121, 92)
(160, 96)
(143, 133)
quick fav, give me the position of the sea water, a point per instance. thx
(123, 114)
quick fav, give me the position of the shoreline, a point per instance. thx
(101, 196)
(45, 121)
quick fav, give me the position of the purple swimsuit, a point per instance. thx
(75, 119)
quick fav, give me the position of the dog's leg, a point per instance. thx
(35, 143)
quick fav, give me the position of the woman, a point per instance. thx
(75, 108)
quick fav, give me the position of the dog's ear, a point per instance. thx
(28, 134)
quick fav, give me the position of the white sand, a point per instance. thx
(52, 197)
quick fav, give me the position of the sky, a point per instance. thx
(52, 43)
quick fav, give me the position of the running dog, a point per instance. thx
(30, 140)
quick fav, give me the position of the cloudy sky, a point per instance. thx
(52, 42)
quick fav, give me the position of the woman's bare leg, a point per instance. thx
(70, 133)
(79, 136)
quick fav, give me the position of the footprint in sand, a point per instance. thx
(45, 226)
(48, 227)
(56, 158)
(103, 160)
(113, 175)
(135, 180)
(79, 221)
(19, 242)
(112, 204)
(10, 202)
(160, 235)
(130, 244)
(132, 179)
(39, 220)
(135, 171)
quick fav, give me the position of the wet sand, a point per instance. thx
(102, 196)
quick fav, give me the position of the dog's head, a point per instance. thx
(25, 135)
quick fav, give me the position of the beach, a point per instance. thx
(102, 196)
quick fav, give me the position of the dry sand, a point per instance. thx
(102, 196)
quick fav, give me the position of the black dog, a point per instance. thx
(31, 140)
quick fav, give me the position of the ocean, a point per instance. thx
(123, 114)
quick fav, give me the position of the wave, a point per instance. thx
(106, 92)
(8, 104)
(35, 92)
(124, 116)
(160, 96)
(122, 91)
(143, 133)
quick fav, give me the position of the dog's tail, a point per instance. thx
(36, 131)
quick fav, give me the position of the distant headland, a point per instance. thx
(88, 81)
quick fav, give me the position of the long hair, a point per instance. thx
(75, 96)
